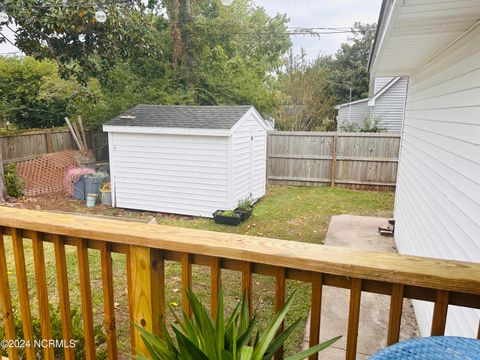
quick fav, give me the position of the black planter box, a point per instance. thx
(226, 220)
(244, 214)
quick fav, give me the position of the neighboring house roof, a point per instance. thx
(371, 101)
(351, 103)
(382, 91)
(181, 116)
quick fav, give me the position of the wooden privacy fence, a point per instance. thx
(357, 160)
(146, 248)
(32, 144)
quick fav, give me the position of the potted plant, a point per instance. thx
(226, 217)
(236, 337)
(244, 209)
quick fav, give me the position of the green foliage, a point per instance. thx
(245, 205)
(32, 95)
(228, 213)
(371, 124)
(56, 325)
(311, 90)
(203, 338)
(83, 47)
(13, 182)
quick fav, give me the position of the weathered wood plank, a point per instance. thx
(215, 281)
(395, 317)
(247, 283)
(108, 299)
(63, 294)
(186, 281)
(42, 292)
(6, 301)
(440, 309)
(86, 298)
(353, 319)
(23, 296)
(280, 291)
(315, 311)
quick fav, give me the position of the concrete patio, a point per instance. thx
(359, 232)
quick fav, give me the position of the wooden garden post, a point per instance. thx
(146, 292)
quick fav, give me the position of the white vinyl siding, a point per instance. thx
(248, 169)
(178, 174)
(380, 83)
(390, 106)
(355, 112)
(437, 206)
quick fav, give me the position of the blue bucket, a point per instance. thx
(91, 199)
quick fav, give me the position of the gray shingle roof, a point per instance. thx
(180, 116)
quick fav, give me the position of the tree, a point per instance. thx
(305, 106)
(349, 65)
(32, 94)
(311, 90)
(71, 35)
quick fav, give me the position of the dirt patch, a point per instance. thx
(61, 202)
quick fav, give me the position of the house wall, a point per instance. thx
(179, 174)
(249, 161)
(437, 208)
(358, 113)
(380, 82)
(390, 106)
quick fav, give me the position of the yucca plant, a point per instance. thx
(202, 338)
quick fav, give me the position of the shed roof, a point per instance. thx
(181, 116)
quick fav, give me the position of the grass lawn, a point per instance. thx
(291, 213)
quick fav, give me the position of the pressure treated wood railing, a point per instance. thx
(148, 246)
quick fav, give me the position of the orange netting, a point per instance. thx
(45, 174)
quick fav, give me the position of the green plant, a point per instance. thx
(245, 205)
(371, 124)
(56, 331)
(13, 182)
(228, 213)
(203, 338)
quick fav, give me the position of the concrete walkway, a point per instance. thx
(359, 232)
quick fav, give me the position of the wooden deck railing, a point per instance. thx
(147, 247)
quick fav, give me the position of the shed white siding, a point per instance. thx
(179, 174)
(437, 207)
(390, 106)
(249, 168)
(358, 112)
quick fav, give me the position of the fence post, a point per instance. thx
(146, 292)
(48, 140)
(334, 159)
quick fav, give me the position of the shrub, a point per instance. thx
(13, 182)
(228, 213)
(56, 324)
(245, 205)
(203, 338)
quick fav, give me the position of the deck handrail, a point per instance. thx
(409, 270)
(147, 246)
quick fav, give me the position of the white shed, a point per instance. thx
(189, 160)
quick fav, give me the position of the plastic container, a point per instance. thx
(91, 199)
(79, 188)
(106, 195)
(94, 182)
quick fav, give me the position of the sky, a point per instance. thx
(308, 13)
(322, 13)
